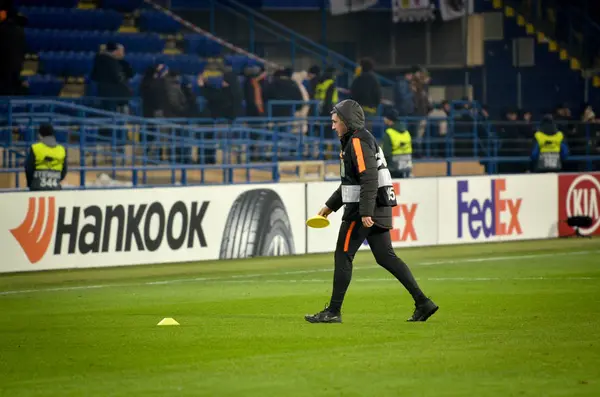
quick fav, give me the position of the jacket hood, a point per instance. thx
(351, 113)
(547, 126)
(49, 141)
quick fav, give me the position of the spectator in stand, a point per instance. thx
(111, 74)
(404, 94)
(564, 119)
(253, 93)
(282, 88)
(152, 104)
(301, 111)
(255, 107)
(327, 92)
(12, 48)
(221, 88)
(312, 79)
(508, 136)
(421, 83)
(437, 119)
(526, 127)
(585, 138)
(176, 106)
(365, 88)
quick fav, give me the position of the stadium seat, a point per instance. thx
(239, 62)
(198, 44)
(153, 21)
(71, 19)
(122, 5)
(69, 63)
(46, 3)
(66, 63)
(44, 85)
(184, 64)
(60, 40)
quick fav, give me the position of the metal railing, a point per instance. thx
(204, 151)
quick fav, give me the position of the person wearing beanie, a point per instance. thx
(46, 163)
(397, 145)
(367, 195)
(549, 148)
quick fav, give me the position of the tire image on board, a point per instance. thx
(257, 225)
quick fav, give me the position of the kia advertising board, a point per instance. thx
(480, 209)
(76, 229)
(414, 218)
(579, 195)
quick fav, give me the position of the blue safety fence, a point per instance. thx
(106, 142)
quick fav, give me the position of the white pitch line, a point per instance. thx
(370, 280)
(233, 278)
(505, 258)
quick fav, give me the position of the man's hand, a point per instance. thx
(367, 221)
(325, 211)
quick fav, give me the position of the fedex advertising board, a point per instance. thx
(76, 229)
(512, 207)
(414, 218)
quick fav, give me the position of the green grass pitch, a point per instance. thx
(515, 319)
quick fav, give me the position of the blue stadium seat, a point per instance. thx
(46, 3)
(154, 21)
(67, 63)
(140, 62)
(122, 5)
(190, 4)
(44, 85)
(239, 62)
(198, 44)
(60, 40)
(292, 4)
(72, 19)
(184, 64)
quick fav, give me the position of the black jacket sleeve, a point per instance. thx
(63, 173)
(29, 166)
(363, 158)
(335, 201)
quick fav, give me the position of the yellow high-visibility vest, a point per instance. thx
(321, 91)
(401, 141)
(549, 159)
(49, 163)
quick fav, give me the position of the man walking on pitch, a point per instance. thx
(368, 195)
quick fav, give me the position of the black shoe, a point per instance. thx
(424, 310)
(325, 316)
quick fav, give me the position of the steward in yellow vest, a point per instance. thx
(326, 92)
(549, 149)
(397, 146)
(46, 164)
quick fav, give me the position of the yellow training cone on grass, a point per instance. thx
(168, 321)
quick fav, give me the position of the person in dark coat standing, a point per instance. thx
(224, 101)
(111, 73)
(365, 88)
(282, 88)
(367, 194)
(12, 49)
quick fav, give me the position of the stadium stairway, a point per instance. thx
(555, 70)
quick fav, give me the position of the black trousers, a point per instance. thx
(351, 236)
